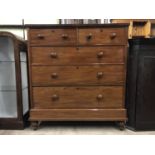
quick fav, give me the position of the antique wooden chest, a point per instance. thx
(77, 72)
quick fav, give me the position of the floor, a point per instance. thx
(75, 128)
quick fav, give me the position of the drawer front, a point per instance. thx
(71, 75)
(80, 55)
(78, 97)
(96, 36)
(53, 36)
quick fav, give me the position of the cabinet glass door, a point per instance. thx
(8, 98)
(23, 63)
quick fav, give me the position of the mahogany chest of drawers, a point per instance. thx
(77, 72)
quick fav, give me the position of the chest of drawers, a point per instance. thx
(77, 72)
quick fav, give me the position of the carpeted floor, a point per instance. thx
(75, 128)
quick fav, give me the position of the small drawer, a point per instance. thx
(52, 36)
(76, 56)
(78, 97)
(99, 36)
(77, 75)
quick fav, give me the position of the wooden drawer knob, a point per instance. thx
(55, 97)
(65, 36)
(89, 36)
(99, 97)
(53, 55)
(113, 35)
(40, 36)
(54, 75)
(100, 54)
(99, 75)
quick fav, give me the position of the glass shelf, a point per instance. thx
(7, 61)
(7, 88)
(11, 61)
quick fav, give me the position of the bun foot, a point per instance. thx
(121, 125)
(35, 125)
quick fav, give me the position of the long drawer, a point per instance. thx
(77, 55)
(78, 97)
(77, 75)
(97, 36)
(53, 36)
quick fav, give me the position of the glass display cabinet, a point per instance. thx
(13, 82)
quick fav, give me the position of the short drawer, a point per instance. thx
(52, 36)
(77, 55)
(77, 75)
(97, 36)
(78, 97)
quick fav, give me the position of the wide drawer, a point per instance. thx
(77, 55)
(71, 75)
(78, 97)
(94, 36)
(91, 114)
(52, 36)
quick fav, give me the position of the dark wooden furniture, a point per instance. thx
(141, 84)
(77, 72)
(13, 82)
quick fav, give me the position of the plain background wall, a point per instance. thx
(20, 32)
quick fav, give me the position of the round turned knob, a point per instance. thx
(40, 36)
(55, 97)
(54, 75)
(64, 36)
(113, 35)
(89, 36)
(100, 54)
(99, 75)
(53, 54)
(99, 96)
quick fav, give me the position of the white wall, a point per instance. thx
(19, 32)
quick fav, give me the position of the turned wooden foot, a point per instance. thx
(35, 125)
(121, 125)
